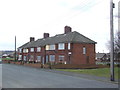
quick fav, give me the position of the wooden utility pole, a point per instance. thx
(15, 48)
(111, 42)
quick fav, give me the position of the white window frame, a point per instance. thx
(69, 46)
(25, 58)
(61, 46)
(84, 50)
(47, 47)
(31, 58)
(24, 50)
(52, 58)
(20, 50)
(31, 49)
(52, 47)
(39, 58)
(38, 49)
(20, 57)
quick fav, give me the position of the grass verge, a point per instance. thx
(101, 72)
(7, 58)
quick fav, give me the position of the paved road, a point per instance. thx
(14, 76)
(0, 76)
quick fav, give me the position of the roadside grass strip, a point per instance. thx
(101, 72)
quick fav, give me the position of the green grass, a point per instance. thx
(7, 58)
(101, 72)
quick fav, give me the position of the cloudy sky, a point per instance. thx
(31, 18)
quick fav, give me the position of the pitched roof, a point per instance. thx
(23, 45)
(100, 55)
(72, 37)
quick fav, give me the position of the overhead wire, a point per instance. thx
(84, 5)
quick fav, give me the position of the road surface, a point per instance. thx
(0, 76)
(14, 76)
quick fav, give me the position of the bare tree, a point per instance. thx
(117, 46)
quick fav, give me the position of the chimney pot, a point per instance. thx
(32, 39)
(46, 35)
(67, 29)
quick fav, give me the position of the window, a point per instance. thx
(43, 60)
(25, 50)
(32, 49)
(38, 49)
(24, 58)
(20, 57)
(61, 57)
(68, 46)
(61, 46)
(31, 58)
(50, 47)
(47, 47)
(20, 50)
(84, 50)
(46, 58)
(52, 58)
(38, 58)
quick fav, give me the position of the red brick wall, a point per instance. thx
(78, 57)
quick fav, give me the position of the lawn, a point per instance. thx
(101, 72)
(7, 58)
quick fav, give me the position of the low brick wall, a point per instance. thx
(74, 66)
(58, 66)
(6, 61)
(12, 62)
(36, 65)
(18, 63)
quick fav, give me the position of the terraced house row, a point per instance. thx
(69, 48)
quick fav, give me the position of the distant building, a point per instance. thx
(102, 57)
(69, 48)
(4, 55)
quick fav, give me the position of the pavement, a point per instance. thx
(17, 76)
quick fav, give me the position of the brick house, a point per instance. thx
(69, 48)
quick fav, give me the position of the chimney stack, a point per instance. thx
(46, 35)
(32, 39)
(67, 29)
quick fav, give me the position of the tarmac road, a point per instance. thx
(16, 76)
(0, 76)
